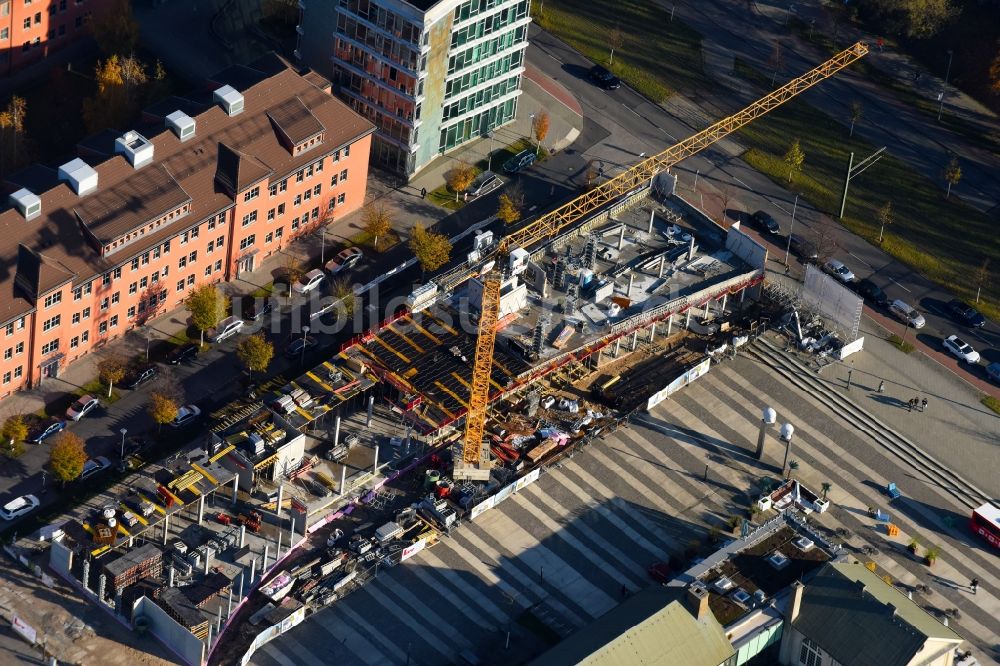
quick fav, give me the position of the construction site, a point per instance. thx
(542, 340)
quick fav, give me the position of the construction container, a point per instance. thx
(388, 532)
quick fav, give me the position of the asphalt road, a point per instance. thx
(635, 125)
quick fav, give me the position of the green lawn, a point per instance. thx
(946, 240)
(658, 56)
(992, 403)
(444, 197)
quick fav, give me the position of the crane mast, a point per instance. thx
(474, 464)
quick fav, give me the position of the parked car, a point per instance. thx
(45, 429)
(485, 182)
(804, 249)
(309, 281)
(345, 260)
(993, 371)
(182, 354)
(186, 415)
(871, 292)
(18, 507)
(961, 349)
(227, 328)
(295, 347)
(838, 270)
(140, 376)
(81, 407)
(255, 308)
(660, 572)
(966, 314)
(93, 466)
(907, 314)
(519, 162)
(765, 222)
(605, 79)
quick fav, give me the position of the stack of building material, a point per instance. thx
(179, 607)
(142, 562)
(210, 586)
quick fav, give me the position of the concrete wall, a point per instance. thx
(745, 247)
(184, 644)
(61, 559)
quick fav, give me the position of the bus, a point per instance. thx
(985, 522)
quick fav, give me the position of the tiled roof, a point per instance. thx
(191, 166)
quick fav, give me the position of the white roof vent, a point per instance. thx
(229, 99)
(80, 176)
(182, 124)
(136, 148)
(27, 202)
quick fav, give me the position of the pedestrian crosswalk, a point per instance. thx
(565, 549)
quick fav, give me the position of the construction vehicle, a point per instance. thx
(475, 464)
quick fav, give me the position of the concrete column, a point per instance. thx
(724, 297)
(336, 429)
(229, 606)
(621, 238)
(170, 576)
(243, 535)
(635, 339)
(652, 332)
(670, 323)
(236, 487)
(208, 561)
(691, 248)
(201, 509)
(343, 480)
(85, 577)
(208, 642)
(281, 497)
(166, 528)
(687, 321)
(708, 307)
(118, 601)
(277, 553)
(101, 582)
(663, 266)
(253, 570)
(631, 281)
(618, 346)
(263, 566)
(375, 464)
(652, 213)
(131, 540)
(371, 404)
(743, 292)
(218, 621)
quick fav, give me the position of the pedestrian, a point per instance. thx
(881, 386)
(974, 585)
(466, 196)
(923, 404)
(423, 192)
(909, 404)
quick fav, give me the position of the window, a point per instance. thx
(102, 328)
(27, 23)
(319, 166)
(86, 313)
(252, 194)
(114, 321)
(131, 312)
(50, 323)
(279, 232)
(341, 198)
(269, 238)
(106, 279)
(76, 317)
(50, 347)
(4, 36)
(218, 241)
(155, 277)
(270, 215)
(283, 185)
(193, 256)
(333, 180)
(115, 297)
(343, 175)
(347, 153)
(307, 195)
(135, 264)
(180, 285)
(145, 260)
(19, 348)
(218, 265)
(143, 283)
(317, 190)
(156, 252)
(281, 209)
(298, 200)
(104, 303)
(208, 270)
(272, 190)
(190, 280)
(811, 654)
(211, 246)
(295, 223)
(184, 238)
(74, 343)
(134, 287)
(6, 375)
(249, 218)
(38, 18)
(17, 371)
(182, 262)
(300, 176)
(8, 354)
(85, 336)
(211, 223)
(10, 329)
(247, 242)
(194, 233)
(315, 213)
(52, 299)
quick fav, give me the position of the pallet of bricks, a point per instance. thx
(143, 562)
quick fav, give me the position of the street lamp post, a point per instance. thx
(305, 332)
(788, 245)
(147, 343)
(786, 433)
(489, 160)
(123, 432)
(768, 418)
(322, 246)
(947, 74)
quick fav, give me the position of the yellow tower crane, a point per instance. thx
(475, 464)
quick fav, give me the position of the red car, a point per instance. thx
(660, 572)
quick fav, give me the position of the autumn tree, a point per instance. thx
(856, 110)
(163, 408)
(67, 456)
(540, 126)
(794, 159)
(150, 305)
(508, 211)
(994, 75)
(431, 249)
(616, 40)
(111, 370)
(460, 177)
(208, 306)
(343, 291)
(884, 216)
(376, 220)
(982, 277)
(952, 174)
(115, 30)
(14, 151)
(121, 82)
(255, 352)
(14, 432)
(919, 19)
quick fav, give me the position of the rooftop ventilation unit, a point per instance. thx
(229, 99)
(136, 148)
(182, 124)
(27, 203)
(80, 176)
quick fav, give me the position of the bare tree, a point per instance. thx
(856, 111)
(885, 216)
(952, 174)
(616, 39)
(982, 277)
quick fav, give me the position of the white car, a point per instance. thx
(227, 328)
(310, 281)
(18, 507)
(93, 466)
(838, 270)
(963, 350)
(345, 260)
(80, 408)
(907, 314)
(185, 416)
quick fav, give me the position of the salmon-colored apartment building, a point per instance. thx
(30, 30)
(143, 217)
